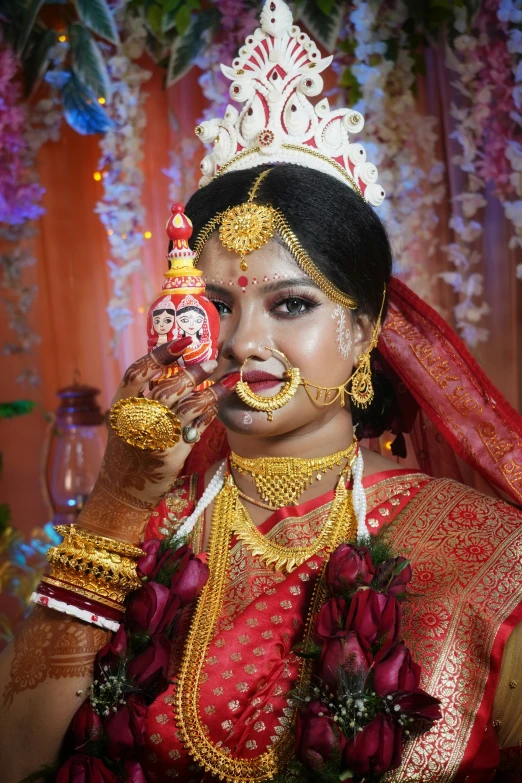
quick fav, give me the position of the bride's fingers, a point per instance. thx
(144, 369)
(196, 404)
(182, 383)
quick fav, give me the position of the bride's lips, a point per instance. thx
(259, 380)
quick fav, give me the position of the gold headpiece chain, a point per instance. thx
(249, 226)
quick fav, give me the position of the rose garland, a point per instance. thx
(130, 671)
(364, 698)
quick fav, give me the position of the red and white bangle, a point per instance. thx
(74, 611)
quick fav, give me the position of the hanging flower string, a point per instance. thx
(22, 134)
(404, 141)
(120, 208)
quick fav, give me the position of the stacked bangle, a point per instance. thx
(90, 577)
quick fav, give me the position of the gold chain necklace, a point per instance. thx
(192, 731)
(284, 558)
(281, 480)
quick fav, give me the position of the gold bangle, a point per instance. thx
(85, 593)
(104, 566)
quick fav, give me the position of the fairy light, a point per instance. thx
(147, 234)
(110, 232)
(101, 101)
(62, 38)
(97, 176)
(141, 309)
(124, 236)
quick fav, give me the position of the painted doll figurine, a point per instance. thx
(182, 309)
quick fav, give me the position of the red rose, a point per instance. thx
(147, 563)
(375, 616)
(396, 672)
(344, 651)
(317, 741)
(331, 618)
(394, 575)
(375, 749)
(349, 567)
(134, 772)
(85, 769)
(190, 578)
(125, 728)
(151, 665)
(110, 654)
(86, 725)
(418, 704)
(146, 607)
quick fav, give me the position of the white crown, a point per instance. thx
(277, 71)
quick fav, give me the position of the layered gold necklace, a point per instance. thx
(281, 481)
(228, 517)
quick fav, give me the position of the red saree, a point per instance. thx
(467, 596)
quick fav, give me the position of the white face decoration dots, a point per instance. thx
(343, 333)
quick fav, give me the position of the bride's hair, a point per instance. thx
(340, 232)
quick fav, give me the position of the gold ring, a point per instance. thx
(147, 424)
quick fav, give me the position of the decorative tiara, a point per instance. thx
(276, 72)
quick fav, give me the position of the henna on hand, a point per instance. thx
(145, 368)
(186, 379)
(194, 405)
(50, 645)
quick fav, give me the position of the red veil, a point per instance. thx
(460, 410)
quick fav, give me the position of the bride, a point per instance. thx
(320, 347)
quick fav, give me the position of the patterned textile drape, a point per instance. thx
(74, 284)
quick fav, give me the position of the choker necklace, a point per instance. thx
(280, 481)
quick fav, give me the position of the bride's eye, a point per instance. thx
(221, 307)
(294, 306)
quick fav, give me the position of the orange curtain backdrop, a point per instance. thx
(75, 287)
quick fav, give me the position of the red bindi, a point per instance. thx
(242, 281)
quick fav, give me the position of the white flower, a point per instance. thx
(513, 211)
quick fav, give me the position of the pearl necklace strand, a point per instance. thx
(218, 480)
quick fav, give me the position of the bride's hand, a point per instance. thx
(132, 481)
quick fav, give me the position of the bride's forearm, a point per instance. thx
(44, 676)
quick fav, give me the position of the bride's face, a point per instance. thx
(275, 305)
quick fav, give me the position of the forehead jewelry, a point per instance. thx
(269, 404)
(249, 226)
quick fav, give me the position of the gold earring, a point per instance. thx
(361, 392)
(269, 404)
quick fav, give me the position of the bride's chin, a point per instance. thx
(236, 417)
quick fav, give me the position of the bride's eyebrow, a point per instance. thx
(269, 287)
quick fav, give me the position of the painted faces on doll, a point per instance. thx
(163, 322)
(190, 321)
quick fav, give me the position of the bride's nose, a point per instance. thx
(246, 341)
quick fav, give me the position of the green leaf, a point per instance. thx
(97, 16)
(326, 6)
(183, 20)
(392, 49)
(29, 19)
(37, 61)
(16, 408)
(155, 18)
(87, 61)
(349, 83)
(186, 48)
(323, 25)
